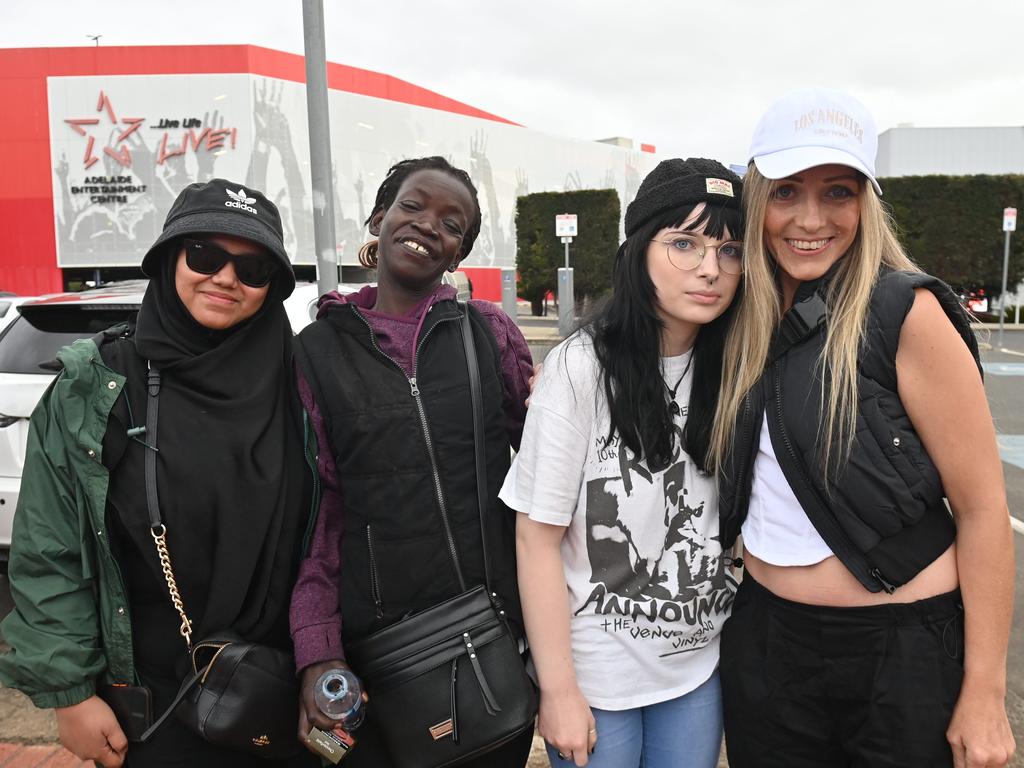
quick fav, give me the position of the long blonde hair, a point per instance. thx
(760, 310)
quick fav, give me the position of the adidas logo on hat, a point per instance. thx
(240, 199)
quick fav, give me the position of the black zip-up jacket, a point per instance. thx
(881, 511)
(404, 453)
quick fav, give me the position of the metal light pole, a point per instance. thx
(566, 227)
(1002, 296)
(324, 239)
(566, 296)
(1009, 225)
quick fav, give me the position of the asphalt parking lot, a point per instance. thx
(1004, 383)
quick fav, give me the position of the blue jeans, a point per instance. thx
(685, 732)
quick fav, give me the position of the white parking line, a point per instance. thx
(1018, 525)
(1002, 369)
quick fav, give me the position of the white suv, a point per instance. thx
(8, 308)
(28, 362)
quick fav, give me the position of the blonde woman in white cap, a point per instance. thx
(871, 627)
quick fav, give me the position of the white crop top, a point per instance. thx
(777, 529)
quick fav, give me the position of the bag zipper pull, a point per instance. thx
(454, 697)
(877, 574)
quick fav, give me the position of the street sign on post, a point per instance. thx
(565, 225)
(565, 228)
(1009, 219)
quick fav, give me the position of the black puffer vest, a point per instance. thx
(405, 460)
(882, 511)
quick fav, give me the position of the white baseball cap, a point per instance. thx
(815, 126)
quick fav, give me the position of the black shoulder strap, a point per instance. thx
(803, 319)
(478, 431)
(153, 503)
(186, 688)
(152, 414)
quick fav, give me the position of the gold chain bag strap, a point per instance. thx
(239, 695)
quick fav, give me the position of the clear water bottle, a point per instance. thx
(339, 695)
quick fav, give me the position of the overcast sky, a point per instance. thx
(689, 77)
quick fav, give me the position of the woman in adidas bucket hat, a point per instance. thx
(235, 493)
(871, 626)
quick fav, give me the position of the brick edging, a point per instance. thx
(14, 755)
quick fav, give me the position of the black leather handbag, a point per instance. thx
(240, 695)
(448, 684)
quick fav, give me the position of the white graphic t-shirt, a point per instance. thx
(648, 589)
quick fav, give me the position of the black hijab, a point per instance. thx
(230, 469)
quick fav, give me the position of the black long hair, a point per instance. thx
(627, 341)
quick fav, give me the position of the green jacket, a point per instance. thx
(71, 627)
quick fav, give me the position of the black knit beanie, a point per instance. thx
(675, 183)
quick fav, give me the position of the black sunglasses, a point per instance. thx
(208, 258)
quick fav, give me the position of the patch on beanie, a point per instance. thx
(719, 187)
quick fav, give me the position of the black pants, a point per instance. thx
(370, 751)
(806, 686)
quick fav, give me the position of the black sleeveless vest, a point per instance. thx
(881, 511)
(404, 454)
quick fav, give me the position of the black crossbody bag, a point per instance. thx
(239, 695)
(448, 684)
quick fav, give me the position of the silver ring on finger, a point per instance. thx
(562, 756)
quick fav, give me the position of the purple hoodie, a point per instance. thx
(315, 618)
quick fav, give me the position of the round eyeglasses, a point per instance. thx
(686, 252)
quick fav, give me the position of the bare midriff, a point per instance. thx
(830, 583)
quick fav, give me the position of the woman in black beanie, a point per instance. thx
(623, 582)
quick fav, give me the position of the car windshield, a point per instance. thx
(30, 343)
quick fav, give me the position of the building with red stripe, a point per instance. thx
(97, 141)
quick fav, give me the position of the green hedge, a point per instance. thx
(591, 255)
(952, 226)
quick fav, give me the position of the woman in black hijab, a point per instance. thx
(235, 492)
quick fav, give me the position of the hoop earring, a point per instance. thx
(453, 266)
(368, 254)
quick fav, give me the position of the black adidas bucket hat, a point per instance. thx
(221, 207)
